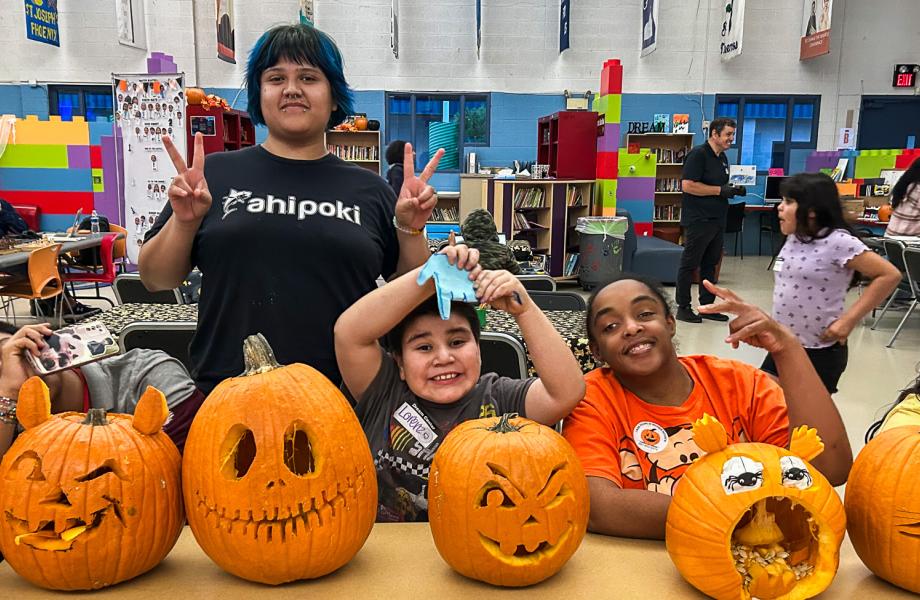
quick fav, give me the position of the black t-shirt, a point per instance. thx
(704, 166)
(404, 432)
(287, 246)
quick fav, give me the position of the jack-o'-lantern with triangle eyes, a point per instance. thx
(277, 475)
(88, 500)
(755, 520)
(507, 501)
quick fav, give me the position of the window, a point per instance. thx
(771, 128)
(88, 101)
(450, 121)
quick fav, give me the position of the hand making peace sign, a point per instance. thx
(416, 198)
(189, 196)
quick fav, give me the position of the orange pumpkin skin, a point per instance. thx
(884, 213)
(360, 123)
(883, 506)
(507, 501)
(304, 503)
(91, 500)
(195, 95)
(703, 516)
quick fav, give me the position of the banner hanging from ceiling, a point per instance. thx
(816, 29)
(732, 29)
(226, 42)
(649, 26)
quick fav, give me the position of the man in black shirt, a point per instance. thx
(705, 205)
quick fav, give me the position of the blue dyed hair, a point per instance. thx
(304, 45)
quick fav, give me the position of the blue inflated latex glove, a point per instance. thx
(450, 283)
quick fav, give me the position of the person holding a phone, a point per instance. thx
(286, 235)
(114, 383)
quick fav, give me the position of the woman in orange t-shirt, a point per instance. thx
(632, 430)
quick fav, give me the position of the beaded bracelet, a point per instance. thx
(407, 230)
(7, 411)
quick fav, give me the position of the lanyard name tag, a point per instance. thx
(415, 424)
(778, 265)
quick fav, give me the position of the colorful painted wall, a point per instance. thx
(61, 167)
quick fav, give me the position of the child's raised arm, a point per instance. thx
(357, 330)
(561, 385)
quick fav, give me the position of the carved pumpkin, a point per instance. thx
(884, 213)
(277, 475)
(883, 506)
(360, 123)
(507, 501)
(88, 500)
(195, 95)
(755, 520)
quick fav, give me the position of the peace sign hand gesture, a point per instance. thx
(189, 196)
(751, 325)
(416, 198)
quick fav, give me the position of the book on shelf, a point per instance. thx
(670, 155)
(529, 198)
(445, 214)
(574, 197)
(667, 184)
(570, 267)
(667, 212)
(521, 223)
(349, 152)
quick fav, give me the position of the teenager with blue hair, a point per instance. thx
(294, 235)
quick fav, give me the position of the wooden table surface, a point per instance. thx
(400, 561)
(81, 242)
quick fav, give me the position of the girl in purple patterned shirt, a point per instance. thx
(814, 270)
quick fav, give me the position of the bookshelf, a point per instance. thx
(567, 142)
(544, 212)
(671, 149)
(223, 130)
(359, 147)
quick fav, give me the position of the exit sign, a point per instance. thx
(905, 76)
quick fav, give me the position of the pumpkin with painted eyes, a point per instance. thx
(88, 500)
(883, 506)
(755, 520)
(507, 501)
(278, 476)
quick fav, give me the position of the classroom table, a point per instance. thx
(81, 242)
(399, 560)
(569, 323)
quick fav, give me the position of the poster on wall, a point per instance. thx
(129, 15)
(394, 28)
(147, 107)
(732, 29)
(649, 26)
(42, 22)
(564, 12)
(225, 35)
(306, 13)
(816, 29)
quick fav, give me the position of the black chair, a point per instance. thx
(502, 354)
(734, 223)
(769, 224)
(559, 300)
(911, 260)
(894, 252)
(877, 245)
(172, 337)
(129, 289)
(539, 283)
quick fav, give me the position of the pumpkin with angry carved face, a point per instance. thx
(88, 500)
(278, 476)
(507, 501)
(755, 520)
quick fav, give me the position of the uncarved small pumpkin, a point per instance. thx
(883, 506)
(360, 123)
(884, 213)
(195, 95)
(88, 500)
(507, 501)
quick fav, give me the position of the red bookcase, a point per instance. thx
(567, 142)
(222, 129)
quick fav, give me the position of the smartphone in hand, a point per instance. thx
(73, 346)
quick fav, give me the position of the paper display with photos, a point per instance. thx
(73, 346)
(147, 107)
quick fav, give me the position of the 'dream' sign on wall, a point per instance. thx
(42, 22)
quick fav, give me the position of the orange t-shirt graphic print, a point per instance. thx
(638, 445)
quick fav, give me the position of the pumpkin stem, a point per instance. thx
(258, 355)
(95, 417)
(503, 425)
